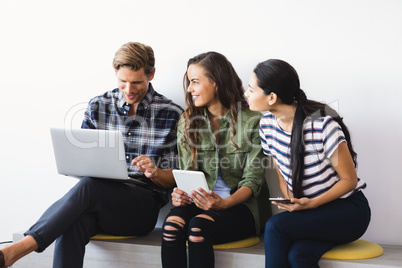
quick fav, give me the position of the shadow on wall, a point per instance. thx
(272, 179)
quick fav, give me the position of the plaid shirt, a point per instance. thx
(152, 132)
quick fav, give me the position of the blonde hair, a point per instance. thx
(134, 55)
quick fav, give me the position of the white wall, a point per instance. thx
(56, 55)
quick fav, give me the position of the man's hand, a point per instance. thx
(145, 164)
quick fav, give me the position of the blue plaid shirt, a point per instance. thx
(152, 132)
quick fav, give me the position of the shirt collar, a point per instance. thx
(226, 118)
(146, 101)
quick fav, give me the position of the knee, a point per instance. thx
(172, 227)
(276, 230)
(199, 226)
(82, 190)
(83, 185)
(272, 225)
(294, 256)
(301, 256)
(86, 182)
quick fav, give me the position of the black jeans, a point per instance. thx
(228, 225)
(90, 207)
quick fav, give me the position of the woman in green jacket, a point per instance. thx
(217, 135)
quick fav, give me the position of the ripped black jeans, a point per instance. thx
(202, 229)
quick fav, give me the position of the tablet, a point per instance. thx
(188, 180)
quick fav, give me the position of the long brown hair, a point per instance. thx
(230, 93)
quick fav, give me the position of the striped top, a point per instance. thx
(321, 138)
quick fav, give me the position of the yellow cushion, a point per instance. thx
(107, 236)
(359, 249)
(248, 242)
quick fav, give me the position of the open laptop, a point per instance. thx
(91, 152)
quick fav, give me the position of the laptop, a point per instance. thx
(91, 152)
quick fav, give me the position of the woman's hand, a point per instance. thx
(296, 204)
(180, 198)
(208, 200)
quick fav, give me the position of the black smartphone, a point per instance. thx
(280, 200)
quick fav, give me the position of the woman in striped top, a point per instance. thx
(316, 167)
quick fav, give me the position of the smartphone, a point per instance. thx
(280, 200)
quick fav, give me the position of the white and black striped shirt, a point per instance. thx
(321, 136)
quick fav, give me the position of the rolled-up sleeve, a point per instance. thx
(254, 168)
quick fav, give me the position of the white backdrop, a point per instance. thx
(56, 55)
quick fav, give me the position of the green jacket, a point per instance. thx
(241, 167)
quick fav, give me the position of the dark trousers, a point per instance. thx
(299, 239)
(228, 225)
(90, 207)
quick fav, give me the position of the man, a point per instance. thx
(148, 122)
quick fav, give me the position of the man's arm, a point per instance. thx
(161, 177)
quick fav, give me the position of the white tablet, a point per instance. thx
(188, 180)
